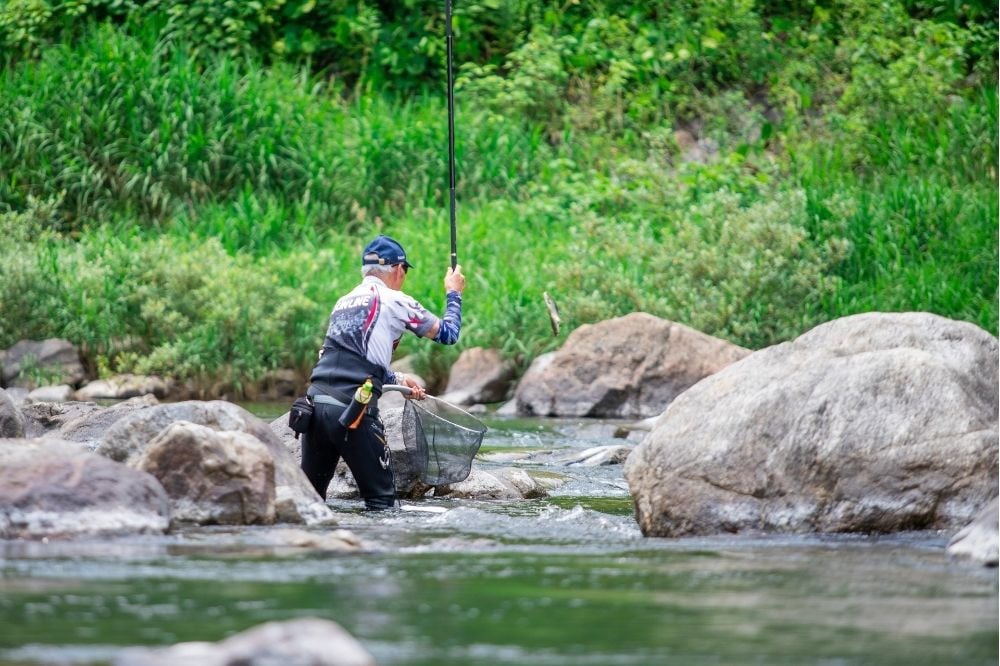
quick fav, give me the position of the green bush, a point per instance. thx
(164, 305)
(750, 274)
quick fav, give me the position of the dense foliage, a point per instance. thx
(185, 186)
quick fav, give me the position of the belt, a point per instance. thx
(324, 399)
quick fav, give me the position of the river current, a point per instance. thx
(563, 580)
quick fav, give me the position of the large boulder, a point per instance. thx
(128, 438)
(302, 642)
(51, 488)
(979, 541)
(211, 477)
(875, 422)
(11, 419)
(54, 361)
(629, 367)
(479, 376)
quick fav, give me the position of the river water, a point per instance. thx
(562, 580)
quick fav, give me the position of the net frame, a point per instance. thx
(437, 464)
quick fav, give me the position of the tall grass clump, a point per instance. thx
(128, 125)
(922, 213)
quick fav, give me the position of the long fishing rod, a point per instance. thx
(449, 39)
(449, 43)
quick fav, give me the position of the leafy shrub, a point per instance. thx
(179, 307)
(745, 273)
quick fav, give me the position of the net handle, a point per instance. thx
(407, 391)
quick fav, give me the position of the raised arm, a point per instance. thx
(447, 328)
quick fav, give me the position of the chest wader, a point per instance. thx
(364, 449)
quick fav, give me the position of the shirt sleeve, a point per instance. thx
(417, 318)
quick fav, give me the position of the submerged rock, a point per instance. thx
(334, 541)
(875, 422)
(51, 488)
(505, 483)
(979, 541)
(301, 642)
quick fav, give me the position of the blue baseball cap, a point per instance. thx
(384, 251)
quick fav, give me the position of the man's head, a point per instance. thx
(385, 259)
(384, 251)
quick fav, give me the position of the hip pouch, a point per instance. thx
(300, 415)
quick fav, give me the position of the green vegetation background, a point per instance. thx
(186, 185)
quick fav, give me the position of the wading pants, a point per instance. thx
(364, 449)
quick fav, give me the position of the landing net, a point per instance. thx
(442, 438)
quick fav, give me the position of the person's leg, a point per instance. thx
(367, 454)
(319, 450)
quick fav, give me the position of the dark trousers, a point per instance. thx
(364, 449)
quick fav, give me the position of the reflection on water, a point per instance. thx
(563, 580)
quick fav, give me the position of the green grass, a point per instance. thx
(198, 218)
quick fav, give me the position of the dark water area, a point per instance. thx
(567, 579)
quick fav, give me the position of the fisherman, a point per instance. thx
(365, 327)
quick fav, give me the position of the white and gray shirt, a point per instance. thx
(371, 320)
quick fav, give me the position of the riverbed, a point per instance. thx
(566, 579)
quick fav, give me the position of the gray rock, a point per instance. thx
(508, 408)
(129, 437)
(60, 393)
(875, 422)
(479, 376)
(51, 488)
(979, 541)
(286, 436)
(343, 485)
(281, 384)
(595, 456)
(599, 455)
(405, 467)
(122, 387)
(636, 430)
(629, 367)
(332, 541)
(504, 483)
(17, 394)
(90, 426)
(407, 367)
(11, 419)
(43, 418)
(211, 477)
(300, 642)
(52, 359)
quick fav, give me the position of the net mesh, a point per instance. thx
(442, 438)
